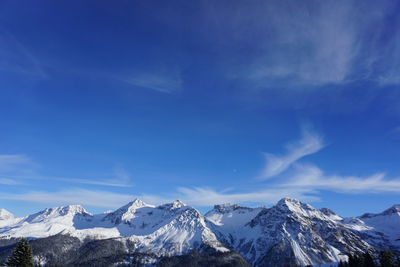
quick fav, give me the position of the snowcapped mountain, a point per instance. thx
(127, 212)
(48, 222)
(386, 222)
(290, 233)
(381, 229)
(287, 234)
(6, 217)
(169, 229)
(229, 222)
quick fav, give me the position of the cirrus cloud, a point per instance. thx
(310, 143)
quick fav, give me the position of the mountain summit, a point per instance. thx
(6, 215)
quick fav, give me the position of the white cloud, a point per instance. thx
(309, 144)
(112, 182)
(313, 178)
(161, 81)
(103, 182)
(15, 163)
(315, 43)
(121, 178)
(7, 181)
(16, 169)
(73, 196)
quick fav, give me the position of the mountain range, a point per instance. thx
(290, 233)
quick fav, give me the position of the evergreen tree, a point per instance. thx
(354, 261)
(368, 261)
(386, 258)
(21, 256)
(363, 260)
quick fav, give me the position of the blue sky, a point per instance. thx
(204, 101)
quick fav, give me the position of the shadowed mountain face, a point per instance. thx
(289, 233)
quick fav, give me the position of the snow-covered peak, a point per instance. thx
(290, 202)
(293, 205)
(73, 209)
(289, 227)
(173, 205)
(132, 206)
(70, 210)
(126, 212)
(231, 215)
(48, 222)
(137, 203)
(395, 209)
(387, 222)
(6, 215)
(392, 211)
(331, 214)
(7, 218)
(290, 209)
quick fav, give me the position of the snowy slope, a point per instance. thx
(387, 222)
(382, 229)
(229, 222)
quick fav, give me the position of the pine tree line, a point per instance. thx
(22, 257)
(386, 259)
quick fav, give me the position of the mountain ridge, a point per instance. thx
(288, 233)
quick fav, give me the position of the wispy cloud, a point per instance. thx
(312, 44)
(103, 182)
(166, 81)
(120, 178)
(310, 143)
(72, 196)
(312, 177)
(17, 57)
(16, 163)
(395, 130)
(17, 169)
(6, 181)
(305, 177)
(25, 179)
